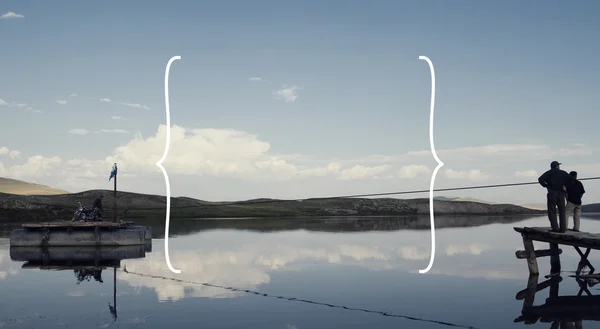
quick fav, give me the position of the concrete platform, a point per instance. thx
(65, 258)
(77, 254)
(76, 234)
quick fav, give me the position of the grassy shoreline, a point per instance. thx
(133, 206)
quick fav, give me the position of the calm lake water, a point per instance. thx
(297, 278)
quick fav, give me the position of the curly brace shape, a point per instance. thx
(159, 164)
(440, 164)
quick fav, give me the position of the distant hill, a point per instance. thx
(13, 186)
(25, 201)
(592, 207)
(136, 205)
(537, 206)
(443, 198)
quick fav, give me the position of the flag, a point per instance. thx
(113, 173)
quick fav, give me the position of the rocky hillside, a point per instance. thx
(14, 186)
(134, 205)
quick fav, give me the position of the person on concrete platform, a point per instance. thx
(555, 180)
(97, 208)
(575, 192)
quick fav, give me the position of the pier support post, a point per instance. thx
(554, 259)
(584, 261)
(554, 289)
(532, 285)
(531, 258)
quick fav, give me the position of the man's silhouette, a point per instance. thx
(575, 191)
(97, 208)
(555, 180)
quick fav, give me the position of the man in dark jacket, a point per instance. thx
(575, 191)
(97, 207)
(555, 180)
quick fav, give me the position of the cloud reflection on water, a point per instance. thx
(247, 260)
(250, 264)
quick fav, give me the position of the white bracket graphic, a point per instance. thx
(440, 164)
(159, 164)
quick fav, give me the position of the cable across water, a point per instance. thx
(292, 299)
(265, 201)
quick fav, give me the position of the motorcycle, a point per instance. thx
(84, 214)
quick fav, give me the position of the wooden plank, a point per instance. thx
(522, 254)
(575, 301)
(563, 309)
(67, 224)
(537, 288)
(586, 243)
(548, 230)
(586, 276)
(571, 238)
(552, 275)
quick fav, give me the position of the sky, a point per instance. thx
(299, 99)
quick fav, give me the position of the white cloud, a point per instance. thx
(287, 94)
(134, 105)
(201, 151)
(527, 174)
(116, 117)
(111, 131)
(361, 172)
(583, 169)
(137, 106)
(412, 171)
(471, 249)
(78, 131)
(83, 168)
(224, 153)
(61, 102)
(205, 154)
(508, 152)
(11, 14)
(473, 175)
(73, 95)
(35, 166)
(13, 154)
(21, 106)
(255, 79)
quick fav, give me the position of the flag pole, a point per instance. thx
(115, 195)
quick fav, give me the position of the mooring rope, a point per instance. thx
(292, 299)
(265, 201)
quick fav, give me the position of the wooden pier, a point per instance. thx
(577, 240)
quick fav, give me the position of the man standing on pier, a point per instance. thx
(575, 191)
(555, 180)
